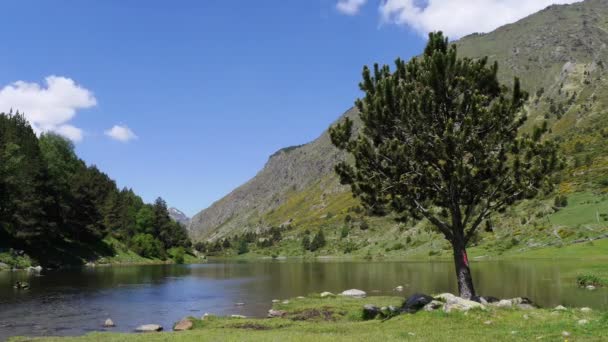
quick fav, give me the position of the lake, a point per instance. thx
(72, 302)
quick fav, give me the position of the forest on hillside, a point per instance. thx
(58, 210)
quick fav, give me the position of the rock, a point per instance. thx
(526, 317)
(237, 316)
(285, 302)
(354, 293)
(301, 297)
(239, 304)
(206, 316)
(487, 322)
(276, 313)
(399, 288)
(416, 302)
(327, 294)
(461, 304)
(4, 266)
(590, 287)
(89, 264)
(444, 297)
(21, 285)
(582, 321)
(433, 305)
(504, 303)
(149, 328)
(276, 301)
(585, 309)
(35, 269)
(109, 323)
(560, 308)
(370, 311)
(565, 333)
(183, 325)
(524, 306)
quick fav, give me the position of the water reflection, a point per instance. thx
(71, 302)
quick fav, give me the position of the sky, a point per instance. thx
(187, 99)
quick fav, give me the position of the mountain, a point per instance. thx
(178, 216)
(560, 54)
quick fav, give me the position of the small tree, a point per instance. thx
(243, 247)
(318, 241)
(306, 242)
(439, 140)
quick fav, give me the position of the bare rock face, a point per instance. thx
(184, 324)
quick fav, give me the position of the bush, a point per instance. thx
(344, 232)
(364, 225)
(589, 279)
(243, 247)
(560, 201)
(178, 254)
(147, 246)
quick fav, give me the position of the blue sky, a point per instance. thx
(187, 99)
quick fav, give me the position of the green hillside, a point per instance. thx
(560, 54)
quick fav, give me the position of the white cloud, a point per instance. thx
(350, 7)
(121, 133)
(457, 18)
(49, 107)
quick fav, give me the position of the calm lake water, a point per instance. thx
(72, 302)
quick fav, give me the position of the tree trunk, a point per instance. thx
(463, 272)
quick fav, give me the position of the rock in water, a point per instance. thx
(109, 323)
(370, 311)
(276, 313)
(183, 325)
(21, 285)
(399, 288)
(416, 302)
(354, 293)
(149, 328)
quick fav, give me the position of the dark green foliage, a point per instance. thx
(51, 202)
(243, 247)
(344, 232)
(590, 279)
(440, 140)
(560, 201)
(318, 241)
(178, 255)
(306, 242)
(147, 246)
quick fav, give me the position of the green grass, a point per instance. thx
(339, 319)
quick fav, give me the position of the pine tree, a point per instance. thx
(440, 140)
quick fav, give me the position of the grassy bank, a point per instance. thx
(340, 319)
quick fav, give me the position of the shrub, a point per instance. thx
(147, 246)
(178, 254)
(364, 225)
(243, 247)
(344, 232)
(560, 201)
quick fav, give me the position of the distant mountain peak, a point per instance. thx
(179, 216)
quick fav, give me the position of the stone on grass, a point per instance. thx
(416, 302)
(433, 305)
(461, 304)
(504, 303)
(207, 316)
(276, 301)
(327, 294)
(565, 333)
(149, 328)
(276, 313)
(444, 297)
(354, 293)
(237, 316)
(585, 309)
(399, 288)
(183, 325)
(487, 322)
(370, 311)
(301, 297)
(285, 302)
(108, 323)
(582, 321)
(560, 308)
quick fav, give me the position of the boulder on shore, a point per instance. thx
(453, 302)
(354, 293)
(327, 294)
(183, 325)
(370, 311)
(276, 313)
(149, 328)
(416, 302)
(109, 323)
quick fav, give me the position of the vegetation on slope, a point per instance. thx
(59, 211)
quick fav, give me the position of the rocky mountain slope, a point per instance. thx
(560, 54)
